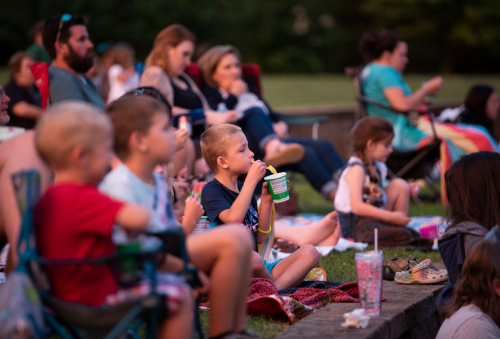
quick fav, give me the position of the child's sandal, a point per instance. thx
(393, 265)
(420, 274)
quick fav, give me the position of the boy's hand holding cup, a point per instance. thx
(193, 210)
(266, 196)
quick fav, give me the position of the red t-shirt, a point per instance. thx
(75, 222)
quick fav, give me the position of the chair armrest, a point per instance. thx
(365, 100)
(174, 242)
(105, 260)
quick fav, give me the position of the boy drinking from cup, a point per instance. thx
(227, 200)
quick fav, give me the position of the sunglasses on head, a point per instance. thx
(64, 18)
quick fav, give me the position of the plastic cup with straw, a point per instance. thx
(369, 268)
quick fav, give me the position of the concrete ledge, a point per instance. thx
(409, 312)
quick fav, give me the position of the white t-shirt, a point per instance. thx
(118, 88)
(469, 322)
(249, 100)
(342, 202)
(123, 185)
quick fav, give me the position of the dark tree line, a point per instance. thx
(285, 35)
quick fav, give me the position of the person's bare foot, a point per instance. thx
(331, 221)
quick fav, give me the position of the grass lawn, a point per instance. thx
(282, 90)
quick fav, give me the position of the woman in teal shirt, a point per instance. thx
(382, 81)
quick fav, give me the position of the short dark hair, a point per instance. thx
(51, 28)
(372, 44)
(129, 114)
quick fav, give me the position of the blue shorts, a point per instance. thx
(271, 265)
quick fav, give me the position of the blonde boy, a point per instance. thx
(74, 220)
(227, 200)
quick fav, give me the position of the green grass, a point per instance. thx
(283, 90)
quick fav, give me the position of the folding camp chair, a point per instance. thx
(406, 165)
(67, 318)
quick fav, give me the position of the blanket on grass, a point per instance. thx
(264, 298)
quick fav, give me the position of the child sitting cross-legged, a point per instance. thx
(362, 202)
(144, 139)
(73, 220)
(227, 200)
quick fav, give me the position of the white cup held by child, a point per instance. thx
(278, 187)
(201, 225)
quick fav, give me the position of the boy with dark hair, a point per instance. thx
(67, 42)
(143, 140)
(75, 221)
(227, 200)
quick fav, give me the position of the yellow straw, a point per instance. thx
(270, 168)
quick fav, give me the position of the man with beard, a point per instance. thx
(67, 42)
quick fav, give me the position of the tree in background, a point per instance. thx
(285, 35)
(443, 33)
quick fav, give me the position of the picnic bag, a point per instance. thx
(20, 309)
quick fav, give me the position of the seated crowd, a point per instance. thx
(119, 171)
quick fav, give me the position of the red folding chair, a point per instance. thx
(40, 72)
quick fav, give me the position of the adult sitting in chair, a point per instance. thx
(67, 42)
(172, 51)
(382, 82)
(224, 86)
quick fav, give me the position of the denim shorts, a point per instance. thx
(347, 222)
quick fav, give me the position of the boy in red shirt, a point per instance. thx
(73, 220)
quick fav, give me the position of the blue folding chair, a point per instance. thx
(68, 318)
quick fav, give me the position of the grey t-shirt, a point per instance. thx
(469, 322)
(65, 86)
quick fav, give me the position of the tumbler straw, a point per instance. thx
(376, 240)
